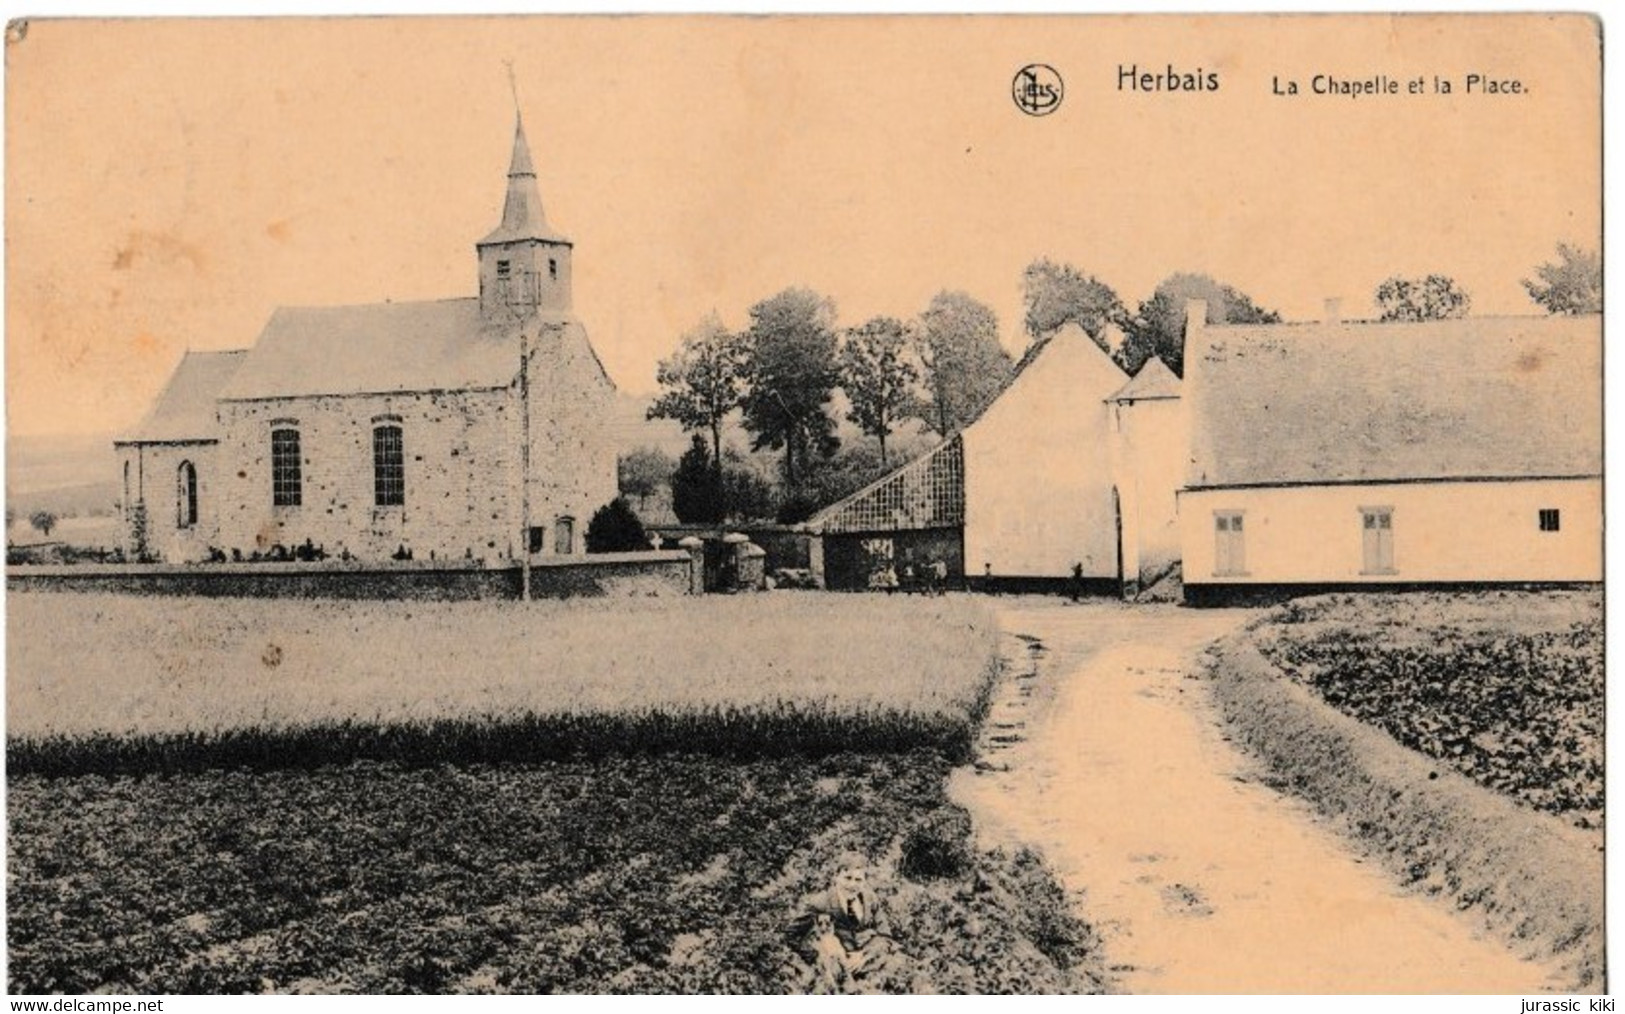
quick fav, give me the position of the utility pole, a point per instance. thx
(524, 461)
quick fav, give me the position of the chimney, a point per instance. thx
(1334, 310)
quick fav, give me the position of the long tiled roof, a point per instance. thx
(1477, 397)
(376, 348)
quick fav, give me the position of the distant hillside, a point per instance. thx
(71, 475)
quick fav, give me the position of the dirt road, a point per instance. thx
(1103, 750)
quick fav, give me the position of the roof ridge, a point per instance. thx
(1354, 321)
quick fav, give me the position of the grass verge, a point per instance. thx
(1533, 878)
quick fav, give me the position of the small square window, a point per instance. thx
(1551, 519)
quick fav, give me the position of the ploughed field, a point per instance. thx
(222, 796)
(1504, 686)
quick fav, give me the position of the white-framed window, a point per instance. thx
(1229, 542)
(186, 495)
(1551, 519)
(1377, 535)
(287, 477)
(388, 466)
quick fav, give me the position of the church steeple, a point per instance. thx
(524, 263)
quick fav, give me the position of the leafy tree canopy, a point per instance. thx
(643, 471)
(702, 381)
(965, 366)
(1057, 293)
(1435, 297)
(1571, 285)
(879, 376)
(1158, 329)
(792, 370)
(43, 521)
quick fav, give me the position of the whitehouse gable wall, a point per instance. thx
(461, 467)
(1038, 470)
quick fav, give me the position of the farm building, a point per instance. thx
(1358, 453)
(1075, 464)
(468, 428)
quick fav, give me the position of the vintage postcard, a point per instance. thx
(804, 504)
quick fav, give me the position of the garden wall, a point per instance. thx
(1533, 878)
(599, 575)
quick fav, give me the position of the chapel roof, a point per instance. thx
(185, 409)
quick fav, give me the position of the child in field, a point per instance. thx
(857, 923)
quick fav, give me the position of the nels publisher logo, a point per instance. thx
(1037, 89)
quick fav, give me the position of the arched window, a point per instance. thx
(564, 535)
(186, 495)
(287, 480)
(388, 467)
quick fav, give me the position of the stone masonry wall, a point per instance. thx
(572, 463)
(461, 460)
(154, 472)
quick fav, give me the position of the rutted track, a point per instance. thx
(1199, 877)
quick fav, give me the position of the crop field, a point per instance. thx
(1505, 687)
(244, 796)
(675, 873)
(105, 683)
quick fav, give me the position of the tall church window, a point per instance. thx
(553, 269)
(186, 495)
(388, 467)
(287, 480)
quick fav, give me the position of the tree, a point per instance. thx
(696, 494)
(643, 471)
(1057, 293)
(878, 376)
(1571, 286)
(1158, 329)
(746, 495)
(615, 528)
(965, 365)
(701, 383)
(792, 372)
(43, 521)
(1435, 297)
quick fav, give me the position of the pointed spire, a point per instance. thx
(522, 214)
(520, 166)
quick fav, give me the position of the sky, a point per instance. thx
(170, 182)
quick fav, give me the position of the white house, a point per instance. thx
(1358, 454)
(1074, 465)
